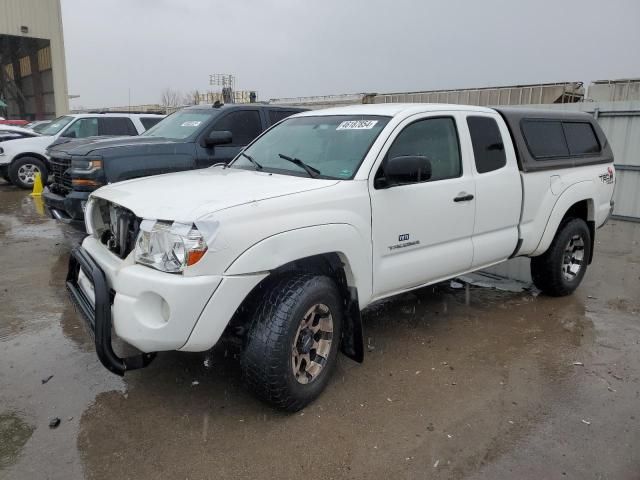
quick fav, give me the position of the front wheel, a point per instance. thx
(22, 172)
(559, 270)
(292, 343)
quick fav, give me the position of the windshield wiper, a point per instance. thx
(313, 172)
(248, 157)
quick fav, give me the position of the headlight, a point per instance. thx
(86, 165)
(167, 248)
(88, 217)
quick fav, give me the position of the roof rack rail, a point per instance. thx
(136, 112)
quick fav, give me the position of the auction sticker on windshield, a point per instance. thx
(193, 123)
(357, 125)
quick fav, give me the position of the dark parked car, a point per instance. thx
(194, 137)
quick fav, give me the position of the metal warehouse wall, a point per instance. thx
(614, 90)
(43, 19)
(565, 92)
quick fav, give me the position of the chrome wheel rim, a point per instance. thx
(573, 258)
(312, 344)
(27, 173)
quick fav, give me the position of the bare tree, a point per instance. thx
(170, 97)
(192, 97)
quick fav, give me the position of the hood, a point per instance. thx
(37, 144)
(84, 146)
(187, 196)
(56, 145)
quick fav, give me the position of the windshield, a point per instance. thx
(56, 125)
(333, 145)
(181, 124)
(40, 127)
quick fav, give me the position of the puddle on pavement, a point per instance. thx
(14, 434)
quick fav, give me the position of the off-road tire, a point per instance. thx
(267, 356)
(16, 165)
(546, 269)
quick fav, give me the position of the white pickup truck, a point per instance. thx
(325, 213)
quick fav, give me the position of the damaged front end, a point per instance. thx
(116, 228)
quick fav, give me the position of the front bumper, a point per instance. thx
(68, 209)
(97, 312)
(149, 309)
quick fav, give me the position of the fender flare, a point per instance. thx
(285, 247)
(577, 192)
(341, 239)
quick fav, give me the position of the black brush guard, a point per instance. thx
(98, 318)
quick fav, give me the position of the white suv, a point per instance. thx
(22, 158)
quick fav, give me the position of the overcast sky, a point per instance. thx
(284, 48)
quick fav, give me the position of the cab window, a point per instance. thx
(433, 138)
(82, 128)
(244, 125)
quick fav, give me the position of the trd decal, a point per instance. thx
(607, 177)
(403, 238)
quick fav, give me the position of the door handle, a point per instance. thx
(463, 197)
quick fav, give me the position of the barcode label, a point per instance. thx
(357, 125)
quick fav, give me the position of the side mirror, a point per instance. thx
(404, 170)
(218, 137)
(71, 134)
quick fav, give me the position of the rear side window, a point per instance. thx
(545, 139)
(244, 126)
(148, 122)
(276, 115)
(581, 138)
(488, 148)
(116, 126)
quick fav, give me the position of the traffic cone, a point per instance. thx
(37, 186)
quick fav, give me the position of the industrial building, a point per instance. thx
(33, 76)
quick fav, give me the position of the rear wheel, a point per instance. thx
(22, 172)
(559, 270)
(293, 340)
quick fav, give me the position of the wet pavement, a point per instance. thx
(509, 386)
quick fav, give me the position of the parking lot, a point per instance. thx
(510, 385)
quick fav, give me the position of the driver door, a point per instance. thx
(421, 232)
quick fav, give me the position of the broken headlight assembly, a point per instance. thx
(169, 247)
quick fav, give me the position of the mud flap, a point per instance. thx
(352, 341)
